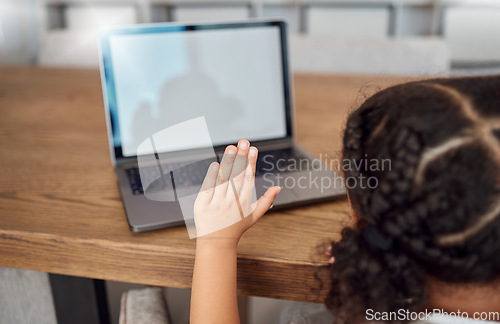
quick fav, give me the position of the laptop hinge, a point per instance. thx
(261, 145)
(126, 160)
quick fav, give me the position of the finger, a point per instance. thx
(249, 177)
(261, 206)
(208, 186)
(328, 251)
(226, 166)
(239, 165)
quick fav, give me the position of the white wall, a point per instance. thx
(18, 31)
(470, 27)
(202, 13)
(473, 31)
(348, 22)
(95, 17)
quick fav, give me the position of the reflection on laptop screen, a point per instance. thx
(232, 77)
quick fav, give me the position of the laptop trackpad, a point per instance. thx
(286, 195)
(317, 184)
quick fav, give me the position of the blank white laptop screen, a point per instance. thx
(232, 77)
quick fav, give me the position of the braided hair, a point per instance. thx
(435, 211)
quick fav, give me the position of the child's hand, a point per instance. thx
(328, 252)
(223, 210)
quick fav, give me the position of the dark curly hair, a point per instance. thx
(435, 211)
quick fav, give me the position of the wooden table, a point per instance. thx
(60, 209)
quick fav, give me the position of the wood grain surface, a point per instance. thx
(60, 209)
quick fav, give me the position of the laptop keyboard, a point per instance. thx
(185, 174)
(277, 161)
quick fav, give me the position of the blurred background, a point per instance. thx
(406, 37)
(391, 37)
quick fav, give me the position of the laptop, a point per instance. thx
(176, 95)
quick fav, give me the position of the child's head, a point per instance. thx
(433, 209)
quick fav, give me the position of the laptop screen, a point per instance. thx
(234, 75)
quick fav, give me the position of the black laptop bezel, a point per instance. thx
(108, 78)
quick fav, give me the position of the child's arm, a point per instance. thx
(220, 203)
(213, 297)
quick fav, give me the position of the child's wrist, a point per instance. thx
(216, 243)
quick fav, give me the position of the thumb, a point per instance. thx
(262, 205)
